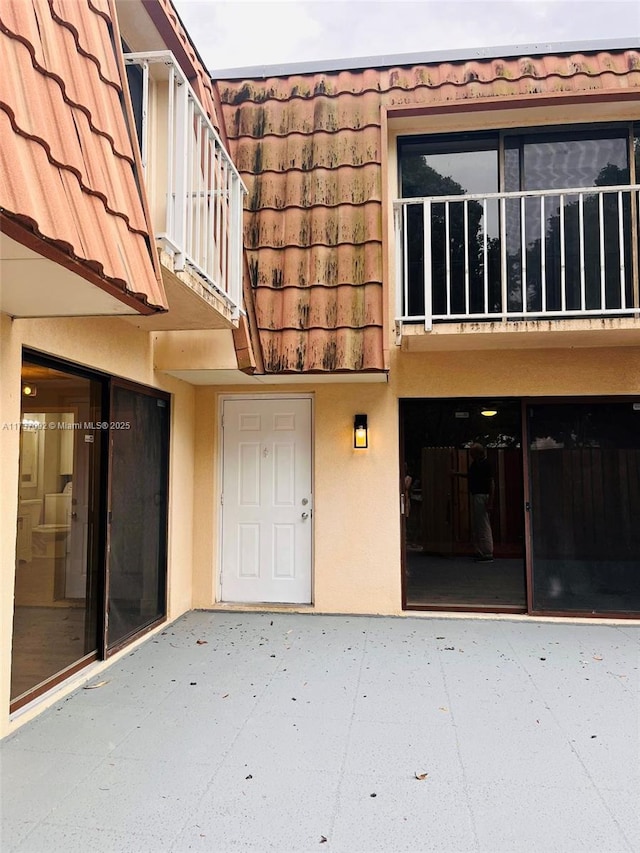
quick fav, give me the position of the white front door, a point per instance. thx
(266, 501)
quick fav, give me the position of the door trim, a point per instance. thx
(158, 394)
(222, 398)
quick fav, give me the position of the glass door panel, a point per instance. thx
(56, 589)
(585, 501)
(442, 539)
(139, 447)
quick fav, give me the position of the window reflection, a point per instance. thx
(585, 498)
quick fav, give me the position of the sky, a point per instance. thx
(240, 33)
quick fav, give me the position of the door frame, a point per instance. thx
(159, 394)
(96, 541)
(222, 398)
(525, 402)
(460, 608)
(576, 400)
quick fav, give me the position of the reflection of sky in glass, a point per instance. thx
(570, 163)
(476, 172)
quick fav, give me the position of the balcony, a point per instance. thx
(539, 261)
(195, 194)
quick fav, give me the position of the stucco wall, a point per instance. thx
(356, 493)
(115, 347)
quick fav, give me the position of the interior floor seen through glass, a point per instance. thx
(441, 551)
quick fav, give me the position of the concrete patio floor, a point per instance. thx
(282, 730)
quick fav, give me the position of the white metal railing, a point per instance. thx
(203, 191)
(538, 254)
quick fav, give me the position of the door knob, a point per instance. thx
(305, 515)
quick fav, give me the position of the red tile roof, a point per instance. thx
(309, 148)
(66, 161)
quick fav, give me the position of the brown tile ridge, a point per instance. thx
(315, 327)
(318, 205)
(375, 241)
(57, 8)
(305, 133)
(370, 282)
(4, 27)
(100, 7)
(65, 95)
(69, 168)
(25, 231)
(314, 169)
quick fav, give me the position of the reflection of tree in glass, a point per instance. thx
(610, 175)
(421, 180)
(418, 180)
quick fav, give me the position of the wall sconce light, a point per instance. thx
(29, 389)
(360, 432)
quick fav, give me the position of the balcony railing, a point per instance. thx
(196, 187)
(520, 255)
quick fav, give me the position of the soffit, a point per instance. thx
(66, 161)
(309, 147)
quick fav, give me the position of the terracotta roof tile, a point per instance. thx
(330, 187)
(307, 151)
(66, 168)
(55, 55)
(412, 77)
(346, 306)
(309, 148)
(321, 225)
(322, 350)
(323, 265)
(88, 32)
(52, 203)
(66, 134)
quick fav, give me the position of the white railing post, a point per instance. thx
(485, 257)
(171, 201)
(426, 254)
(623, 277)
(603, 291)
(504, 299)
(401, 310)
(180, 166)
(563, 260)
(144, 148)
(583, 275)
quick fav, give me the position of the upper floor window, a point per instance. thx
(525, 223)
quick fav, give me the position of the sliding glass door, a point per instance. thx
(584, 495)
(137, 519)
(92, 520)
(57, 589)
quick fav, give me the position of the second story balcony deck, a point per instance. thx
(517, 257)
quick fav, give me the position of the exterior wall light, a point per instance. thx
(29, 390)
(360, 432)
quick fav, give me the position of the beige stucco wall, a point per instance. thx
(356, 493)
(113, 346)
